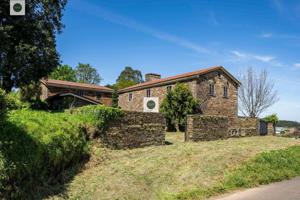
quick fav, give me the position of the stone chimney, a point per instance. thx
(152, 76)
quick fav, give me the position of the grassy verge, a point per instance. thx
(182, 170)
(36, 146)
(264, 168)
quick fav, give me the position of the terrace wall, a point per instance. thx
(206, 127)
(135, 129)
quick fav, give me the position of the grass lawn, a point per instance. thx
(156, 172)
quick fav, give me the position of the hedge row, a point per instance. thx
(36, 146)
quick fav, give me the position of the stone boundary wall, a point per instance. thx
(244, 126)
(135, 129)
(206, 127)
(210, 127)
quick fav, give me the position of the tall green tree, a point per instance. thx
(28, 43)
(64, 73)
(129, 77)
(178, 103)
(85, 73)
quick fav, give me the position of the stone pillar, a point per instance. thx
(271, 128)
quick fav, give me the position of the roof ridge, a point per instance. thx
(74, 84)
(175, 77)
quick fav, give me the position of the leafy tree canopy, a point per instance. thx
(129, 77)
(178, 103)
(64, 73)
(28, 43)
(85, 73)
(272, 118)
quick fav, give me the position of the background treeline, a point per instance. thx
(289, 124)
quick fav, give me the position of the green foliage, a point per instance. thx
(266, 168)
(115, 99)
(37, 145)
(128, 77)
(178, 103)
(123, 83)
(14, 101)
(64, 73)
(98, 116)
(85, 73)
(28, 43)
(3, 106)
(289, 124)
(272, 119)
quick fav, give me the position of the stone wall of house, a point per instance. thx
(244, 126)
(206, 127)
(218, 104)
(136, 104)
(210, 105)
(135, 129)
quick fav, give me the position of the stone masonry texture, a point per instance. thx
(209, 127)
(135, 129)
(215, 104)
(206, 127)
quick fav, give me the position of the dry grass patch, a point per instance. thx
(153, 172)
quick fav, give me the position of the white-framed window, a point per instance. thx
(212, 89)
(148, 93)
(130, 96)
(169, 88)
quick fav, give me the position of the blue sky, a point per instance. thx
(175, 36)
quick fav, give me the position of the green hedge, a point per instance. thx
(2, 104)
(36, 146)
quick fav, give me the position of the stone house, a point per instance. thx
(215, 88)
(65, 94)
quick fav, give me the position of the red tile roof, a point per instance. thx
(176, 78)
(69, 84)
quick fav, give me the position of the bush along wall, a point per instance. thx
(2, 104)
(35, 146)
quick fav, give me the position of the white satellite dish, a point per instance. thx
(151, 104)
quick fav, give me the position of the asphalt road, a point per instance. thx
(285, 190)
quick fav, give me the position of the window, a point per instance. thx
(169, 88)
(225, 91)
(80, 92)
(212, 89)
(148, 93)
(98, 96)
(129, 96)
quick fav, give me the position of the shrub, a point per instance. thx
(2, 104)
(98, 116)
(35, 146)
(14, 101)
(178, 103)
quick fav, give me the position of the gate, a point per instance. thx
(263, 127)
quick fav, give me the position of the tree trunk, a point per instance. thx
(177, 126)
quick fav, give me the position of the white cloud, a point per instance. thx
(297, 65)
(115, 18)
(263, 58)
(266, 35)
(249, 56)
(238, 54)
